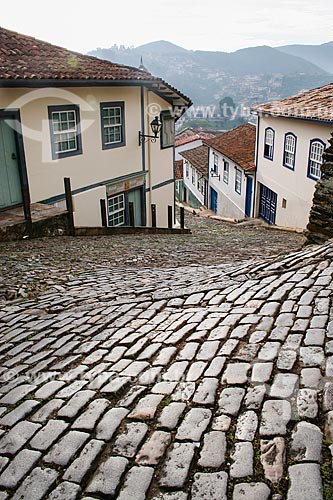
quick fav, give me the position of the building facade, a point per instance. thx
(292, 136)
(63, 114)
(195, 176)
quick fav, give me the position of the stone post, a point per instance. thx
(320, 226)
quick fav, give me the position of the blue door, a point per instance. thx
(248, 199)
(213, 200)
(10, 183)
(268, 202)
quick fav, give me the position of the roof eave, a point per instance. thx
(279, 115)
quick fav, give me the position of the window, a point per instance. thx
(238, 180)
(187, 169)
(112, 124)
(167, 130)
(65, 131)
(116, 210)
(193, 176)
(289, 151)
(216, 164)
(317, 148)
(225, 171)
(269, 143)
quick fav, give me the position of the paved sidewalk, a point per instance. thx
(199, 382)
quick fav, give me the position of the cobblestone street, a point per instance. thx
(205, 382)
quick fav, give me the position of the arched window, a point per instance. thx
(269, 143)
(289, 150)
(317, 147)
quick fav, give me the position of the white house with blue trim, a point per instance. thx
(67, 115)
(292, 135)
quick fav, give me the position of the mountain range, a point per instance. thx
(249, 75)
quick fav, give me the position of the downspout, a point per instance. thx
(143, 156)
(255, 172)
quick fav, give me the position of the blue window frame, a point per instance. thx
(289, 152)
(269, 143)
(167, 130)
(238, 180)
(216, 164)
(316, 150)
(65, 130)
(226, 171)
(112, 124)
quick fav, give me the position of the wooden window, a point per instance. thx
(65, 131)
(289, 151)
(167, 130)
(116, 210)
(112, 124)
(269, 143)
(238, 180)
(317, 148)
(225, 171)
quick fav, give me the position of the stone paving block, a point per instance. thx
(47, 410)
(82, 465)
(215, 367)
(219, 333)
(137, 482)
(184, 391)
(170, 415)
(75, 404)
(131, 396)
(286, 359)
(228, 347)
(210, 486)
(154, 448)
(205, 394)
(110, 423)
(175, 495)
(36, 485)
(208, 350)
(66, 447)
(130, 438)
(16, 394)
(115, 385)
(107, 476)
(261, 372)
(221, 423)
(163, 387)
(314, 336)
(19, 413)
(328, 396)
(17, 437)
(146, 407)
(273, 458)
(312, 356)
(307, 405)
(230, 400)
(269, 351)
(175, 371)
(305, 482)
(188, 351)
(236, 373)
(48, 389)
(65, 490)
(251, 491)
(284, 385)
(91, 415)
(175, 470)
(194, 424)
(247, 424)
(22, 463)
(242, 460)
(3, 462)
(214, 449)
(69, 390)
(48, 434)
(275, 416)
(195, 371)
(306, 443)
(149, 376)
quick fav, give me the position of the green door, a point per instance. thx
(10, 184)
(135, 198)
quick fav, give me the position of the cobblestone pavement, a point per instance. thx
(28, 267)
(203, 383)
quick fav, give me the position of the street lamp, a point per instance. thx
(155, 126)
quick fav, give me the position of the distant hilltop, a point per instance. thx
(206, 76)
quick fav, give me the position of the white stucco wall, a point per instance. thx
(294, 186)
(230, 204)
(193, 187)
(186, 147)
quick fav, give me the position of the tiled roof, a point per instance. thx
(26, 58)
(238, 145)
(198, 157)
(315, 104)
(190, 135)
(179, 169)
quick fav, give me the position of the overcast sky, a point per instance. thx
(83, 25)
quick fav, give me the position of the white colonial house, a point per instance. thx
(231, 172)
(67, 115)
(292, 136)
(195, 176)
(190, 138)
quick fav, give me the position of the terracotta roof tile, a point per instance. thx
(198, 157)
(238, 145)
(190, 135)
(315, 104)
(26, 58)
